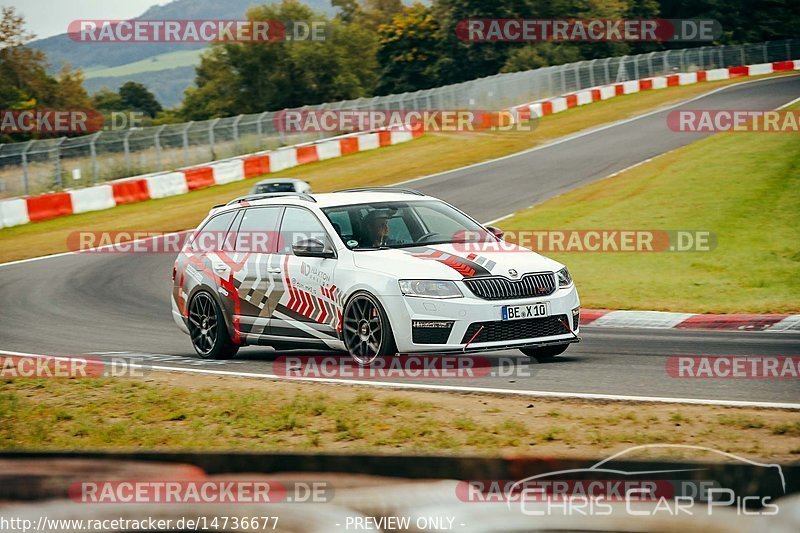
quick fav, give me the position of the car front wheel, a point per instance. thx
(366, 332)
(545, 353)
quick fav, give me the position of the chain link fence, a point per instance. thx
(54, 164)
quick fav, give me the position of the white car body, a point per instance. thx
(286, 299)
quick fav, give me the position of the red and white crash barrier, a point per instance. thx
(19, 211)
(604, 92)
(605, 318)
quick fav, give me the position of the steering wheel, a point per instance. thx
(426, 236)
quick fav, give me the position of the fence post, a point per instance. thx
(236, 134)
(25, 183)
(766, 58)
(93, 151)
(744, 55)
(185, 136)
(157, 143)
(260, 129)
(59, 178)
(127, 148)
(211, 125)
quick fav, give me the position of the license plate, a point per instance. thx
(518, 312)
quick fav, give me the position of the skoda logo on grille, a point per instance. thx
(512, 273)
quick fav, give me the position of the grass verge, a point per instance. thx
(743, 187)
(428, 155)
(177, 411)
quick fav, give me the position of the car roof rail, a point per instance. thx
(384, 189)
(266, 195)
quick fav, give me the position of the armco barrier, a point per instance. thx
(199, 177)
(256, 165)
(130, 191)
(369, 141)
(48, 206)
(282, 159)
(167, 184)
(94, 198)
(13, 213)
(761, 69)
(717, 74)
(21, 211)
(228, 171)
(329, 150)
(306, 154)
(348, 145)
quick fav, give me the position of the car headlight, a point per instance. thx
(429, 288)
(564, 279)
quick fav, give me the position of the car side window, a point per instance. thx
(341, 223)
(258, 230)
(299, 224)
(212, 235)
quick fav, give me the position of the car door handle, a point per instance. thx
(274, 270)
(221, 268)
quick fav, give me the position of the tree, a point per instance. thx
(408, 50)
(24, 81)
(107, 100)
(136, 96)
(235, 78)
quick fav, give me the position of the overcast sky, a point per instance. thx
(51, 17)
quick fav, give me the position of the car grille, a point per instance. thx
(512, 330)
(499, 288)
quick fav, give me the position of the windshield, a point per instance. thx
(274, 187)
(403, 224)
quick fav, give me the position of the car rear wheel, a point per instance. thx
(207, 328)
(545, 353)
(366, 332)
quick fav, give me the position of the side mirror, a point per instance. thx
(312, 248)
(497, 232)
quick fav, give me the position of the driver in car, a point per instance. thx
(377, 226)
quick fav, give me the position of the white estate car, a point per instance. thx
(374, 272)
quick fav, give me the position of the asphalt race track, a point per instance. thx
(88, 303)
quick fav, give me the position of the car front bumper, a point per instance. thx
(469, 313)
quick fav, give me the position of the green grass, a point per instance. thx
(168, 411)
(183, 58)
(745, 188)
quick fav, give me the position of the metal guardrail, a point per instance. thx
(41, 165)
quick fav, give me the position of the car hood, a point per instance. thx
(454, 261)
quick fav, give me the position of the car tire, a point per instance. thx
(545, 353)
(207, 329)
(366, 331)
